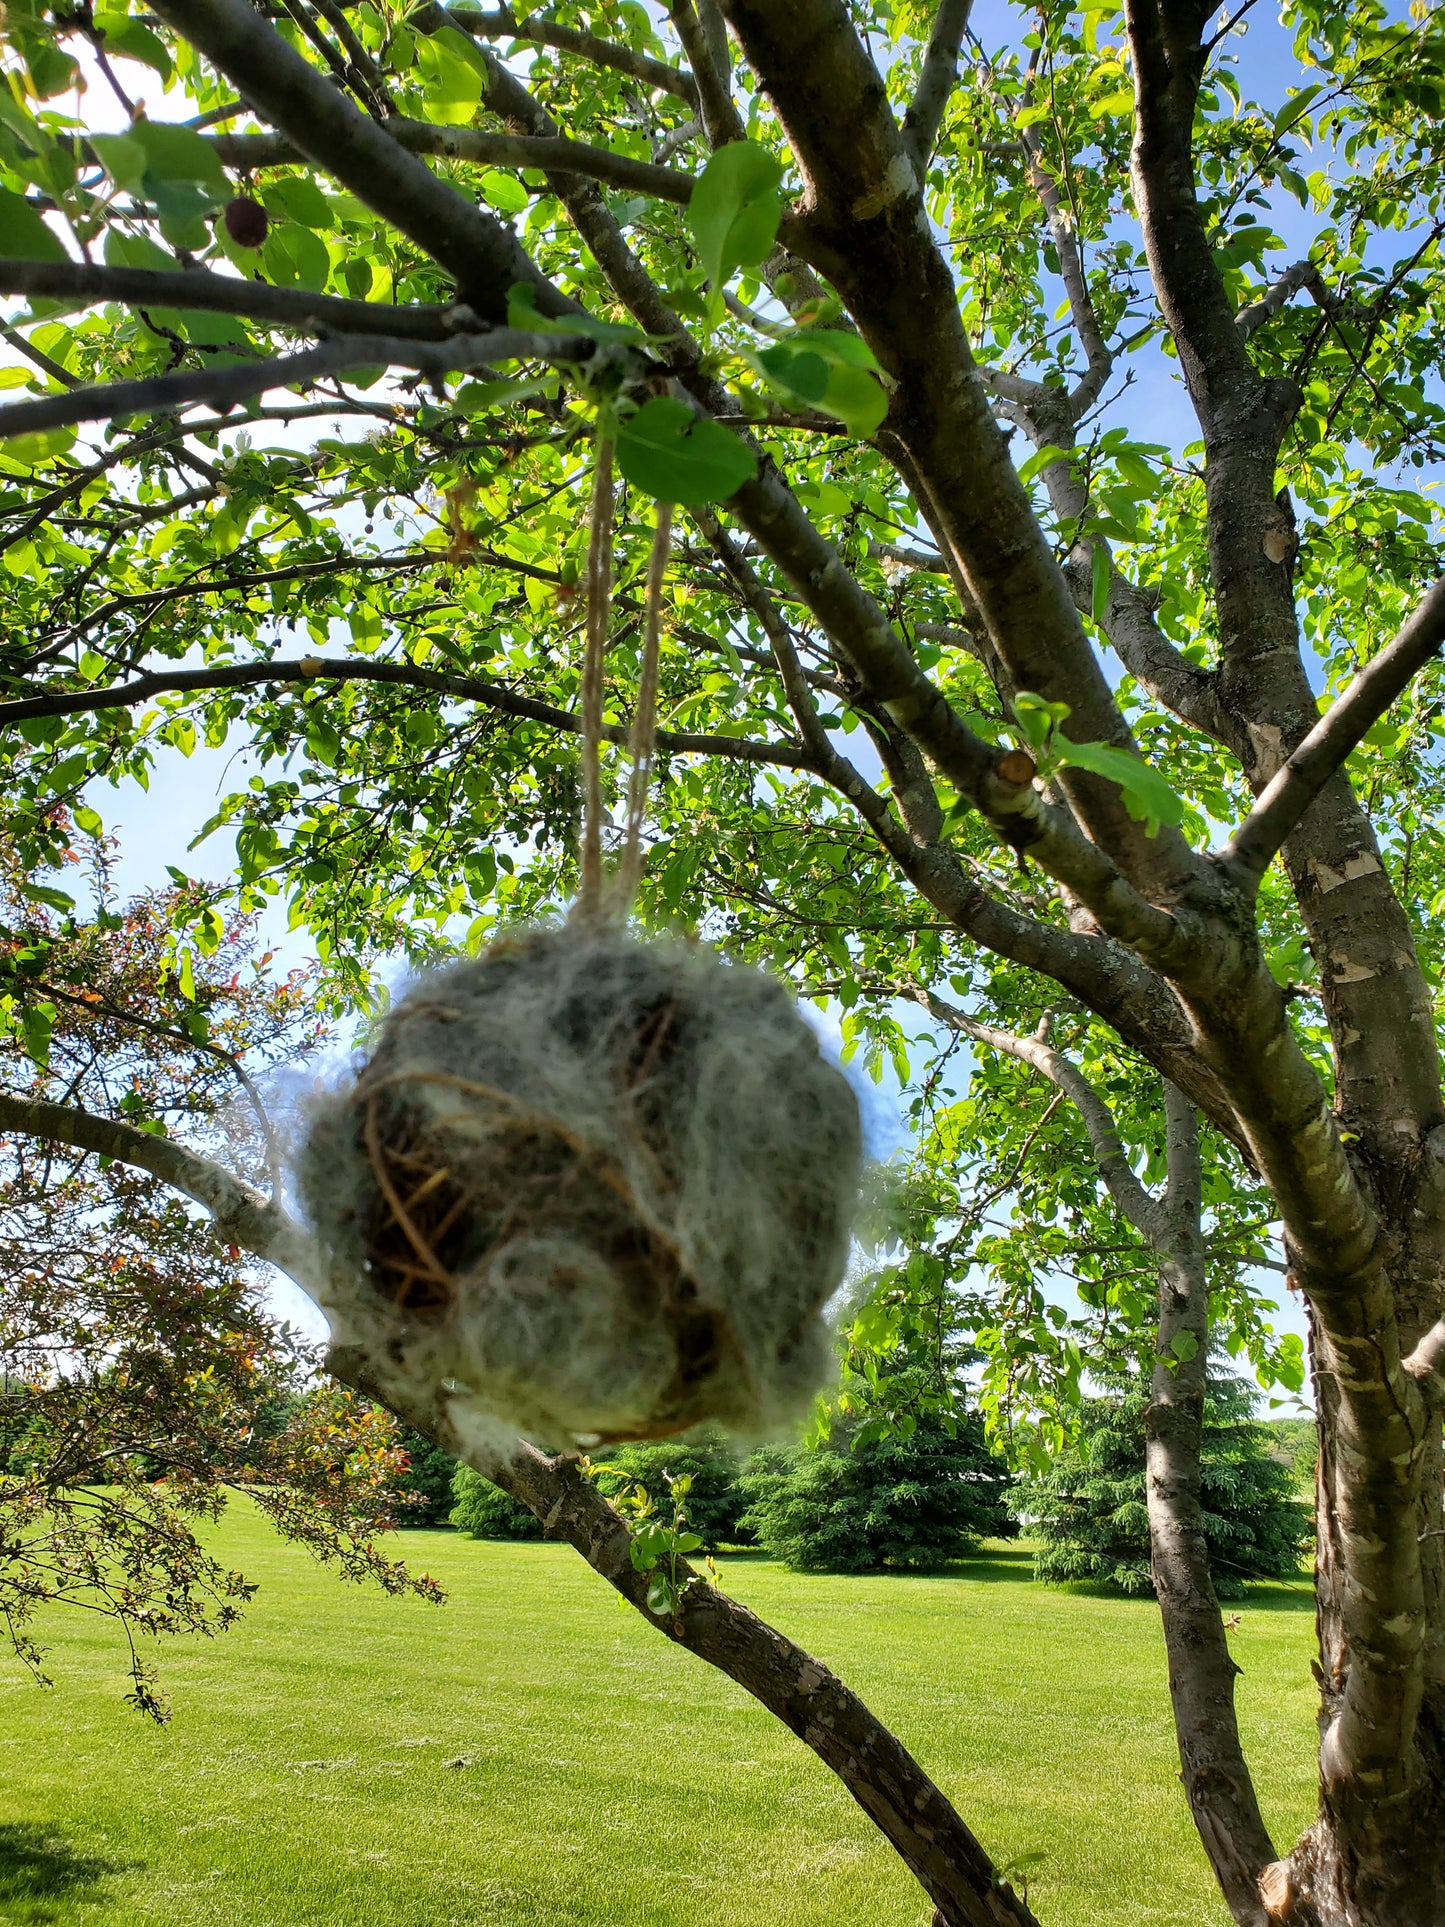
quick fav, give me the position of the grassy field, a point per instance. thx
(310, 1777)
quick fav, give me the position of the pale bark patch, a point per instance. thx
(1363, 864)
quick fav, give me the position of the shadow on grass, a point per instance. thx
(1261, 1596)
(40, 1871)
(991, 1565)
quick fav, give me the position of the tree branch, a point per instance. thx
(904, 1804)
(503, 22)
(241, 381)
(890, 1786)
(497, 150)
(1304, 774)
(86, 281)
(1216, 1776)
(482, 255)
(1304, 274)
(313, 669)
(1201, 1673)
(866, 210)
(1124, 1187)
(936, 79)
(1168, 65)
(720, 117)
(240, 1214)
(1097, 355)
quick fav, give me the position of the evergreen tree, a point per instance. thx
(483, 1511)
(1089, 1510)
(427, 1482)
(716, 1502)
(925, 1492)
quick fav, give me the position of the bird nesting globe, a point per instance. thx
(605, 1187)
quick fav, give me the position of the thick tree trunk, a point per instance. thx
(1375, 1857)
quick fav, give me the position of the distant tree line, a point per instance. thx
(926, 1489)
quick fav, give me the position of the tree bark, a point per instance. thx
(1217, 1781)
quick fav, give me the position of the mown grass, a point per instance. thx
(610, 1780)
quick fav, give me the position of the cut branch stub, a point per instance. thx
(605, 1187)
(1016, 766)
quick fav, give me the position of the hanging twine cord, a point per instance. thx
(599, 597)
(643, 742)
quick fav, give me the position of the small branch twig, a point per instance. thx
(502, 23)
(86, 281)
(1304, 274)
(494, 150)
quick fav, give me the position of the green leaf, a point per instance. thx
(1037, 717)
(477, 397)
(659, 1597)
(42, 893)
(294, 257)
(180, 155)
(133, 40)
(453, 83)
(810, 369)
(23, 235)
(52, 71)
(137, 251)
(797, 370)
(88, 820)
(42, 446)
(1147, 797)
(1184, 1345)
(677, 456)
(1041, 459)
(301, 199)
(735, 209)
(124, 159)
(523, 313)
(37, 1025)
(504, 192)
(323, 743)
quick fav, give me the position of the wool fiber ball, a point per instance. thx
(604, 1187)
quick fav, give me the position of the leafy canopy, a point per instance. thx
(362, 599)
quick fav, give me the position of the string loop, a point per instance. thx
(642, 741)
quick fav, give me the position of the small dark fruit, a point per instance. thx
(246, 221)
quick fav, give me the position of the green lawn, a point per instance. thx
(611, 1781)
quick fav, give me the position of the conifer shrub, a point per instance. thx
(1089, 1513)
(924, 1493)
(427, 1482)
(716, 1502)
(482, 1510)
